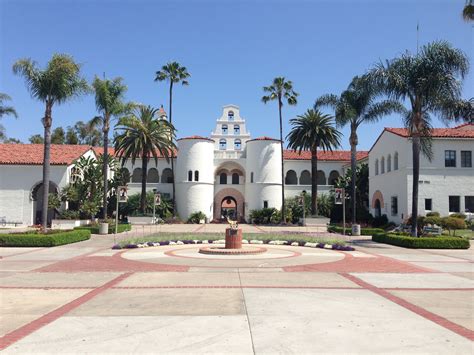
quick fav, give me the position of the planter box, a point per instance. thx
(317, 221)
(140, 220)
(68, 223)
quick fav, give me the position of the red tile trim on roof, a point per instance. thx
(461, 131)
(32, 154)
(336, 155)
(196, 137)
(264, 138)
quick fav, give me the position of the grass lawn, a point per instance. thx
(465, 233)
(216, 236)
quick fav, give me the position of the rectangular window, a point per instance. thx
(466, 159)
(428, 204)
(394, 205)
(450, 158)
(469, 203)
(454, 204)
(265, 204)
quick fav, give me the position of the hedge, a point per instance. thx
(422, 242)
(363, 231)
(43, 240)
(122, 227)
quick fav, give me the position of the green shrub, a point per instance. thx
(94, 228)
(69, 214)
(458, 215)
(196, 217)
(380, 221)
(453, 223)
(32, 239)
(265, 216)
(433, 214)
(363, 231)
(432, 220)
(422, 242)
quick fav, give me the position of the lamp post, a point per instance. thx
(304, 208)
(154, 200)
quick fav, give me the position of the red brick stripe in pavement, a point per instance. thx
(456, 328)
(362, 264)
(27, 329)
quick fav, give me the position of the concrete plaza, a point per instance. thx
(87, 298)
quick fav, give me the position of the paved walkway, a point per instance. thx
(87, 298)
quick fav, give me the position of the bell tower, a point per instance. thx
(230, 133)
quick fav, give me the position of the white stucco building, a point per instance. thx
(229, 172)
(446, 183)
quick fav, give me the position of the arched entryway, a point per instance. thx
(229, 208)
(227, 200)
(377, 203)
(37, 198)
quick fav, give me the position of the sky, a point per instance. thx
(231, 48)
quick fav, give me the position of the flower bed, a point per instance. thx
(335, 246)
(54, 238)
(440, 242)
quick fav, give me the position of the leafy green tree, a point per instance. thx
(468, 11)
(356, 105)
(312, 131)
(173, 73)
(281, 91)
(36, 139)
(430, 82)
(12, 141)
(143, 135)
(58, 136)
(59, 82)
(71, 136)
(109, 96)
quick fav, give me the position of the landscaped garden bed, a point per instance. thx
(249, 238)
(440, 242)
(37, 239)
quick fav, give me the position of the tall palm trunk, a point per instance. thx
(353, 140)
(172, 155)
(314, 182)
(144, 176)
(105, 163)
(416, 177)
(46, 164)
(283, 209)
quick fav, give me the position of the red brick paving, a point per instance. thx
(456, 328)
(354, 264)
(108, 263)
(38, 323)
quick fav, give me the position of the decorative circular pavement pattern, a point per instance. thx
(246, 250)
(274, 257)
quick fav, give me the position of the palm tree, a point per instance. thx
(429, 82)
(355, 106)
(281, 90)
(109, 103)
(144, 136)
(173, 73)
(311, 131)
(4, 111)
(468, 11)
(59, 82)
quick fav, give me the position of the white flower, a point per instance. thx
(311, 245)
(245, 241)
(295, 244)
(256, 242)
(327, 246)
(179, 242)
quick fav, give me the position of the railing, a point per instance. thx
(223, 154)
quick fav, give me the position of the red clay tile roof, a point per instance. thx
(196, 137)
(32, 154)
(462, 131)
(264, 138)
(337, 155)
